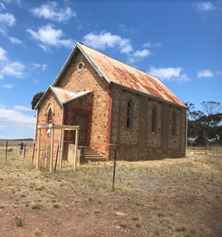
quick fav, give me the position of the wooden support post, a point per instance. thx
(24, 147)
(52, 150)
(62, 148)
(38, 149)
(76, 146)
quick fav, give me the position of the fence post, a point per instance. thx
(6, 150)
(24, 147)
(114, 171)
(33, 153)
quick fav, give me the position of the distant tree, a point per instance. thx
(36, 99)
(205, 126)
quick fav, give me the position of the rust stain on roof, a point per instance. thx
(118, 72)
(62, 94)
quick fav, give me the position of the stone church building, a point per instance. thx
(118, 107)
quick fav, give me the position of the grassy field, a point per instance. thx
(170, 197)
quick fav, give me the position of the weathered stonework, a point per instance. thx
(139, 142)
(42, 119)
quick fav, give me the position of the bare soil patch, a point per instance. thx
(170, 197)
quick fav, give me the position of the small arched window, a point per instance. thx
(50, 116)
(129, 114)
(173, 124)
(153, 120)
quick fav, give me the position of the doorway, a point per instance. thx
(81, 121)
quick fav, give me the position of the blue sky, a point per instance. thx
(177, 41)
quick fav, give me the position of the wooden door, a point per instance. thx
(81, 121)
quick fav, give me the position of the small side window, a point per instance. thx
(173, 124)
(50, 116)
(153, 120)
(129, 114)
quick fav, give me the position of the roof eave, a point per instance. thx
(72, 99)
(45, 94)
(148, 95)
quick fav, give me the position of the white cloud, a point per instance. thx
(2, 6)
(15, 116)
(205, 73)
(42, 66)
(205, 6)
(7, 19)
(53, 12)
(128, 30)
(13, 69)
(169, 74)
(15, 40)
(7, 86)
(50, 37)
(1, 105)
(107, 40)
(3, 56)
(21, 108)
(150, 45)
(142, 53)
(16, 120)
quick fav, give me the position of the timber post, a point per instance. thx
(38, 151)
(62, 148)
(76, 146)
(52, 150)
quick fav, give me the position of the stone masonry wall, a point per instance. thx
(42, 119)
(139, 142)
(86, 80)
(82, 106)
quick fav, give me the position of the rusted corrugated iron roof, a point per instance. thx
(121, 73)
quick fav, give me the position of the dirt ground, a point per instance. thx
(170, 197)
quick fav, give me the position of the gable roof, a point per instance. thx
(62, 95)
(118, 72)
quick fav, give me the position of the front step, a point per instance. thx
(91, 155)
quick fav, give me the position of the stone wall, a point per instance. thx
(86, 80)
(42, 119)
(139, 142)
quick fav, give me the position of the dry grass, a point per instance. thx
(171, 197)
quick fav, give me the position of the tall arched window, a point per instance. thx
(173, 124)
(50, 116)
(129, 114)
(153, 120)
(49, 113)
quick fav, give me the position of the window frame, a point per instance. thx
(129, 114)
(153, 124)
(173, 125)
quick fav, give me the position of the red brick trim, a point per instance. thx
(109, 118)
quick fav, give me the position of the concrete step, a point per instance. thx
(92, 155)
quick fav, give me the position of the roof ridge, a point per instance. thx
(119, 61)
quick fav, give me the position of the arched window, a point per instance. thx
(129, 114)
(173, 124)
(153, 120)
(50, 116)
(49, 113)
